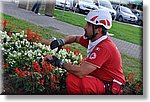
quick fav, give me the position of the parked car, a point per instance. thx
(84, 6)
(139, 15)
(105, 4)
(125, 14)
(63, 3)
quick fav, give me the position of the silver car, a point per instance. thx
(139, 15)
(125, 14)
(84, 6)
(63, 3)
(106, 4)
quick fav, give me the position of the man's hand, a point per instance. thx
(54, 61)
(57, 43)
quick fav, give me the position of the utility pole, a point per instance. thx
(64, 8)
(120, 2)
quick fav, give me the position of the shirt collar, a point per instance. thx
(92, 45)
(99, 40)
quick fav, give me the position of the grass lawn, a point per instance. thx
(130, 65)
(122, 31)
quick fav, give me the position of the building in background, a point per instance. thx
(137, 4)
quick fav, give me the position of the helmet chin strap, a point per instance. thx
(93, 35)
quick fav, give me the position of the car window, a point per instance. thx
(89, 1)
(105, 4)
(63, 1)
(127, 10)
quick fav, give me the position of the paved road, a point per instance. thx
(11, 9)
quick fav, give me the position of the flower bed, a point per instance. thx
(22, 59)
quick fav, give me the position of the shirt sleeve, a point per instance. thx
(98, 57)
(84, 42)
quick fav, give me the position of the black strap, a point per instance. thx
(94, 34)
(108, 87)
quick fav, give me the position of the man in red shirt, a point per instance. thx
(101, 73)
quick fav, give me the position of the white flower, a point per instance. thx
(21, 36)
(14, 52)
(25, 36)
(67, 60)
(75, 62)
(17, 34)
(13, 35)
(31, 51)
(19, 54)
(29, 54)
(3, 49)
(40, 45)
(39, 54)
(22, 32)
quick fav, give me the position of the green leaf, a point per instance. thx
(40, 88)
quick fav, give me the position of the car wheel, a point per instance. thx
(140, 23)
(120, 18)
(78, 9)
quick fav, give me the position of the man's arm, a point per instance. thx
(68, 39)
(79, 71)
(71, 39)
(46, 42)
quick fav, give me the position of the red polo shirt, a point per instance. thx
(106, 57)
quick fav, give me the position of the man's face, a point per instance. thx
(88, 30)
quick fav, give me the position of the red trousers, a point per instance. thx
(87, 85)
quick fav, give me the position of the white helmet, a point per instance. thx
(100, 17)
